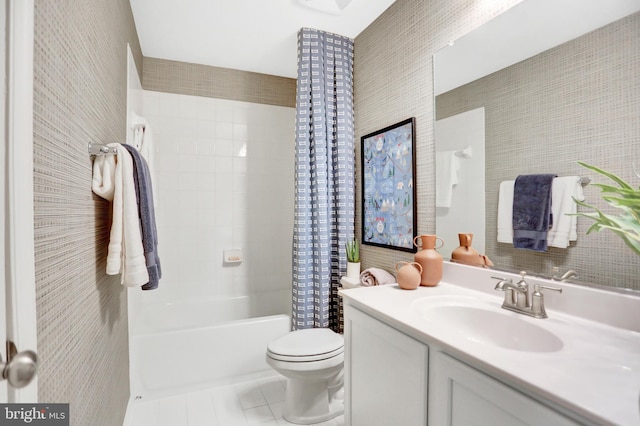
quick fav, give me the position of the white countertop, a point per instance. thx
(596, 373)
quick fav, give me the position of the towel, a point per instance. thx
(564, 227)
(532, 211)
(376, 276)
(447, 166)
(104, 168)
(125, 255)
(505, 212)
(144, 195)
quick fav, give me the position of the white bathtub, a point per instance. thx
(189, 345)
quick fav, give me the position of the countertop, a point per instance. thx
(595, 374)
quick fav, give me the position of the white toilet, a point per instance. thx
(312, 361)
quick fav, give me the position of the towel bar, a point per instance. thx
(100, 149)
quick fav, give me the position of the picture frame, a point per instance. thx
(389, 212)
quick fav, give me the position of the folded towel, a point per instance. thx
(564, 227)
(447, 166)
(125, 254)
(144, 195)
(104, 168)
(532, 211)
(376, 276)
(505, 212)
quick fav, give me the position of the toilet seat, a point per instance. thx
(314, 344)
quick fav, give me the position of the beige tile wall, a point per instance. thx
(80, 71)
(582, 103)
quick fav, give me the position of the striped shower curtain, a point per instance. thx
(324, 189)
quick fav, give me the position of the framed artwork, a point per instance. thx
(388, 189)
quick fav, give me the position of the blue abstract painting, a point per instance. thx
(388, 193)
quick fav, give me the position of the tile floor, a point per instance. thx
(257, 402)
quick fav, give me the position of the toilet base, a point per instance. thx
(308, 402)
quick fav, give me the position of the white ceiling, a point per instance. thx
(249, 35)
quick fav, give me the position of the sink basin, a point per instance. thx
(487, 324)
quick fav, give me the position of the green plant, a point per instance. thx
(353, 251)
(623, 197)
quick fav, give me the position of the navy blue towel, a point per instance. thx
(144, 193)
(532, 217)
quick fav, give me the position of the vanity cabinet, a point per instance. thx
(385, 374)
(394, 379)
(463, 396)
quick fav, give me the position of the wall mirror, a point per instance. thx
(538, 88)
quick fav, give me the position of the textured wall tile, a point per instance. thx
(80, 71)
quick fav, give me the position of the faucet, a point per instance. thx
(523, 304)
(566, 276)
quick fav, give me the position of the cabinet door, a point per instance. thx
(385, 374)
(463, 396)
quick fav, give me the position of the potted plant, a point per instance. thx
(623, 197)
(353, 259)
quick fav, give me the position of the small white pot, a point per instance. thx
(353, 270)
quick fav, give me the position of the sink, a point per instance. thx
(487, 324)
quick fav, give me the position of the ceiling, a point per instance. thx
(250, 35)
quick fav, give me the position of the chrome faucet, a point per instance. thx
(566, 276)
(523, 304)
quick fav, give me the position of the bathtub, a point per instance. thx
(184, 346)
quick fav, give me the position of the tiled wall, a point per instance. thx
(394, 80)
(80, 71)
(579, 106)
(224, 181)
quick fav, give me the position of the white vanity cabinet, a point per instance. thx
(462, 396)
(385, 374)
(394, 379)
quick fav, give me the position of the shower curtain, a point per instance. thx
(325, 167)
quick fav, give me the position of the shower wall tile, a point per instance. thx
(234, 170)
(80, 89)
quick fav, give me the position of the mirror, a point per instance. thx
(540, 87)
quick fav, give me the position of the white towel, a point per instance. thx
(447, 166)
(564, 227)
(505, 212)
(104, 167)
(126, 254)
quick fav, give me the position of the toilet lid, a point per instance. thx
(307, 343)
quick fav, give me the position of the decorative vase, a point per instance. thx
(429, 259)
(353, 270)
(465, 253)
(409, 275)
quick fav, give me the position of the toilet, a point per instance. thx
(312, 361)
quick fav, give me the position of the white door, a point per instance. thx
(17, 282)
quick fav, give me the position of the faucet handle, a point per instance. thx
(537, 287)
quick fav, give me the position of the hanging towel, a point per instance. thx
(505, 212)
(104, 168)
(447, 166)
(126, 255)
(532, 211)
(376, 276)
(144, 195)
(564, 227)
